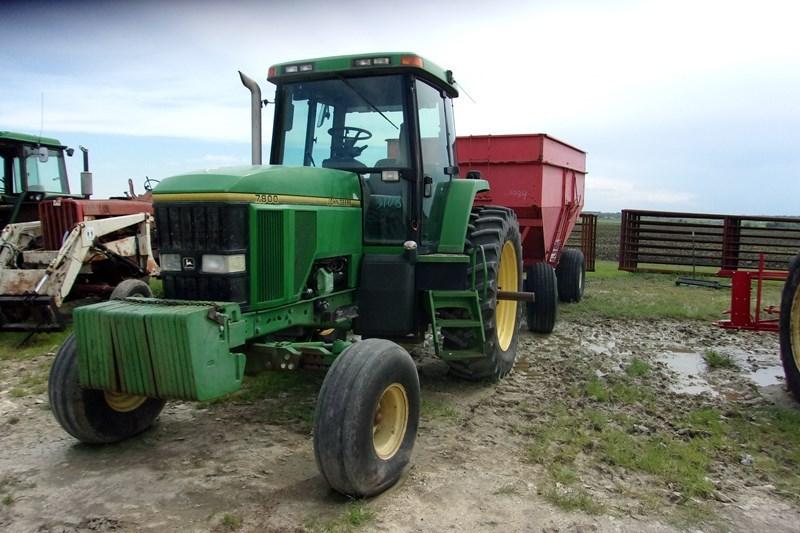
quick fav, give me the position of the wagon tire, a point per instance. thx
(131, 287)
(571, 276)
(790, 328)
(493, 237)
(542, 313)
(366, 418)
(86, 414)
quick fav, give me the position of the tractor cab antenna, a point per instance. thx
(461, 87)
(41, 117)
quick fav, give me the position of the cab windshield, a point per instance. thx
(19, 174)
(349, 124)
(50, 174)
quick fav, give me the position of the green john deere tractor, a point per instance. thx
(357, 226)
(790, 328)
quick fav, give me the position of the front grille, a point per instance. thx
(269, 257)
(58, 220)
(193, 229)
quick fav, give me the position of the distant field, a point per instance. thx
(608, 240)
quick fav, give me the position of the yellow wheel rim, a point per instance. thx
(390, 421)
(124, 403)
(794, 327)
(507, 280)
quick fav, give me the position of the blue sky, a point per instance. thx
(680, 105)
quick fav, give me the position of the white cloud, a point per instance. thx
(612, 194)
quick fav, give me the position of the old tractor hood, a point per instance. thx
(263, 184)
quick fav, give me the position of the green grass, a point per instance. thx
(612, 293)
(8, 499)
(573, 499)
(616, 390)
(436, 408)
(358, 514)
(717, 360)
(638, 368)
(506, 490)
(355, 516)
(679, 457)
(13, 348)
(231, 522)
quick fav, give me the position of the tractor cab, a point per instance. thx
(33, 169)
(387, 118)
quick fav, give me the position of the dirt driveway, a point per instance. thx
(604, 425)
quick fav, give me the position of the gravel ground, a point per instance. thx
(238, 466)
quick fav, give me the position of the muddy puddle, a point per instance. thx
(693, 375)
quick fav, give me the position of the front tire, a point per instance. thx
(790, 328)
(367, 417)
(87, 414)
(498, 267)
(131, 287)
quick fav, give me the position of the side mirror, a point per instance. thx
(44, 154)
(70, 151)
(473, 175)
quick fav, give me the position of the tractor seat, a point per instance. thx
(343, 163)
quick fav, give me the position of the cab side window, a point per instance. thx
(436, 140)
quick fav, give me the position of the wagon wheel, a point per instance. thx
(571, 275)
(790, 328)
(541, 314)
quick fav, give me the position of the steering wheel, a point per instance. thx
(351, 139)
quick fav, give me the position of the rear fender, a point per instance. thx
(460, 197)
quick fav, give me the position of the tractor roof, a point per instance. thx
(363, 64)
(32, 139)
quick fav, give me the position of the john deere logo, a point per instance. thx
(188, 263)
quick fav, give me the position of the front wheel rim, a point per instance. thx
(390, 421)
(506, 310)
(122, 402)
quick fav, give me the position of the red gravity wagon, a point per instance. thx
(542, 180)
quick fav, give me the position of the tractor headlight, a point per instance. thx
(170, 262)
(224, 264)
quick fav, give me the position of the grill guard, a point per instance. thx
(193, 229)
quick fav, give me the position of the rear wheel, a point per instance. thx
(571, 275)
(95, 416)
(367, 417)
(543, 311)
(790, 328)
(494, 237)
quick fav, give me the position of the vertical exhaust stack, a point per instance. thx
(87, 186)
(255, 116)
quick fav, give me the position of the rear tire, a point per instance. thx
(571, 275)
(366, 418)
(131, 287)
(542, 313)
(85, 413)
(790, 328)
(496, 229)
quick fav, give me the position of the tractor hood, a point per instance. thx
(263, 184)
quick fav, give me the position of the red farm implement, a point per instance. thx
(542, 180)
(749, 250)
